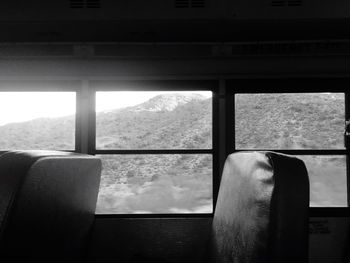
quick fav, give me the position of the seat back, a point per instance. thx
(47, 205)
(261, 214)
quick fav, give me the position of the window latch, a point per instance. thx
(347, 134)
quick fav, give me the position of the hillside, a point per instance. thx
(144, 183)
(43, 133)
(298, 121)
(167, 102)
(290, 121)
(187, 126)
(157, 183)
(182, 183)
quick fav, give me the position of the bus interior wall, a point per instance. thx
(81, 43)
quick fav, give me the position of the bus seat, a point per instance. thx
(47, 205)
(261, 213)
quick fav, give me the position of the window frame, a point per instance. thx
(159, 85)
(292, 85)
(222, 128)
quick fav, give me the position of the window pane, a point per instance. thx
(153, 120)
(37, 120)
(327, 175)
(177, 183)
(289, 121)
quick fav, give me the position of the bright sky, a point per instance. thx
(24, 106)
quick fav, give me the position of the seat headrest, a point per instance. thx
(47, 206)
(261, 212)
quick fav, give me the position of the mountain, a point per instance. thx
(299, 121)
(290, 121)
(167, 102)
(142, 127)
(42, 133)
(165, 121)
(132, 183)
(167, 183)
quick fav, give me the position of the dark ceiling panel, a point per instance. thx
(175, 31)
(173, 20)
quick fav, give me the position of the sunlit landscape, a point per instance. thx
(37, 120)
(156, 184)
(298, 121)
(181, 183)
(161, 183)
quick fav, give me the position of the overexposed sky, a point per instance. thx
(24, 106)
